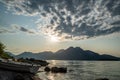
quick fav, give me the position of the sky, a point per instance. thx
(50, 25)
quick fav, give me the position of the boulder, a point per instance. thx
(47, 69)
(58, 70)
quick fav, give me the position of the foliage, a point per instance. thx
(2, 47)
(5, 56)
(2, 53)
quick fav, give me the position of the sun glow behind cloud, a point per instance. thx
(71, 19)
(54, 39)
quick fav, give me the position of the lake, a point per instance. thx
(83, 70)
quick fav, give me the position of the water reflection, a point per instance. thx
(53, 62)
(85, 70)
(51, 77)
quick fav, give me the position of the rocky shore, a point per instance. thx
(10, 75)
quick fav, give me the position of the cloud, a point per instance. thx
(22, 29)
(3, 30)
(26, 30)
(71, 19)
(14, 28)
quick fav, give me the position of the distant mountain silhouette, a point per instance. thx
(71, 53)
(11, 54)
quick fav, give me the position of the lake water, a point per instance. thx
(84, 70)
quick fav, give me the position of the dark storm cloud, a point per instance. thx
(71, 19)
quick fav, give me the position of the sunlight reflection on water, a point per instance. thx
(84, 70)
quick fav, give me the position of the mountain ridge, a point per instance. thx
(71, 53)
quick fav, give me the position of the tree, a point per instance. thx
(2, 47)
(3, 54)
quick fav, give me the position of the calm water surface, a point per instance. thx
(84, 70)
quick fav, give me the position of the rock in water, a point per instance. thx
(47, 69)
(58, 70)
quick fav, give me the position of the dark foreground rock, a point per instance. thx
(47, 69)
(56, 69)
(10, 75)
(102, 79)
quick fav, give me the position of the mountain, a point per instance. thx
(42, 55)
(71, 53)
(9, 53)
(26, 55)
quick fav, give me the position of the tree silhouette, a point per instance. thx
(2, 47)
(3, 54)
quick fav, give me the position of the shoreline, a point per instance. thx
(11, 75)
